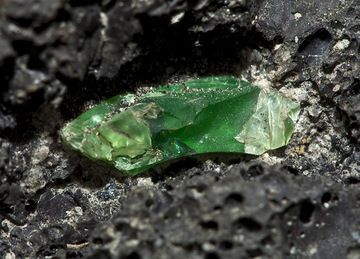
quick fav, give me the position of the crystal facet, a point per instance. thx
(207, 115)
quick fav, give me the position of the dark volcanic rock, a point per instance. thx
(351, 107)
(6, 54)
(301, 18)
(59, 57)
(272, 215)
(33, 13)
(52, 40)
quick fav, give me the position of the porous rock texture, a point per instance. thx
(59, 57)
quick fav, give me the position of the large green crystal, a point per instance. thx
(207, 115)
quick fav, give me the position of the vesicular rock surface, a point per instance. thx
(59, 57)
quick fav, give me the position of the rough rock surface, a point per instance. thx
(58, 57)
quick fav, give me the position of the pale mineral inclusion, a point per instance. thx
(219, 114)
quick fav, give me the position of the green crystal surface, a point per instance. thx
(207, 115)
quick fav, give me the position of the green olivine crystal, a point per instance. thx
(207, 115)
